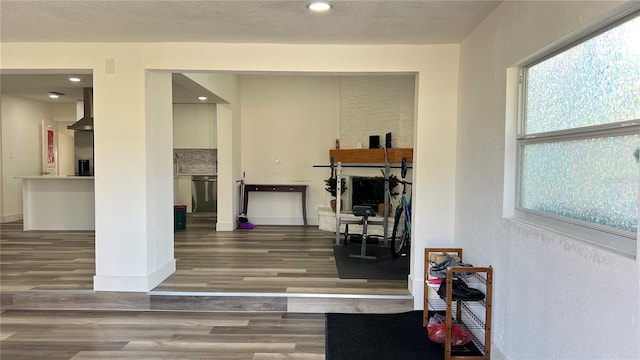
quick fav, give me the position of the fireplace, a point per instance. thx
(367, 191)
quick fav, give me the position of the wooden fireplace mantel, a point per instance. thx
(369, 156)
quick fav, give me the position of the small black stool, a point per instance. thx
(365, 212)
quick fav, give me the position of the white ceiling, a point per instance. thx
(228, 21)
(241, 21)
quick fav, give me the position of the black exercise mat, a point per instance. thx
(385, 267)
(383, 337)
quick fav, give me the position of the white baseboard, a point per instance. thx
(416, 288)
(11, 218)
(163, 272)
(225, 226)
(134, 283)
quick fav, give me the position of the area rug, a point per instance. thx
(385, 267)
(383, 337)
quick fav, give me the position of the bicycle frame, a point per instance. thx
(406, 205)
(404, 208)
(401, 234)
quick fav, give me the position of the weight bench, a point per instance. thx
(365, 212)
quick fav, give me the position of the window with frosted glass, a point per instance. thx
(596, 82)
(579, 142)
(593, 180)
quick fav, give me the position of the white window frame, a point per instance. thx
(617, 241)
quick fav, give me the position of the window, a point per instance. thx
(578, 138)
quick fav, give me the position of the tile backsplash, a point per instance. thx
(195, 161)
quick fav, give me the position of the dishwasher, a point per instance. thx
(204, 190)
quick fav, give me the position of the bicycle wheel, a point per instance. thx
(399, 235)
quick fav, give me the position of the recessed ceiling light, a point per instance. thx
(319, 6)
(74, 79)
(202, 98)
(55, 94)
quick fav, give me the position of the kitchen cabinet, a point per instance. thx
(194, 126)
(58, 203)
(184, 116)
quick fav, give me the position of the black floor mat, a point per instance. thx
(383, 337)
(385, 267)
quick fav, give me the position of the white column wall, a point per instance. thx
(121, 175)
(434, 165)
(228, 168)
(159, 158)
(120, 129)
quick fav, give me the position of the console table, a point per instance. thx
(278, 188)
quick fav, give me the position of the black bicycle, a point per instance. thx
(401, 234)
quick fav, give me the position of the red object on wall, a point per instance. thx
(51, 158)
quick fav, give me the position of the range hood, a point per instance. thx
(86, 123)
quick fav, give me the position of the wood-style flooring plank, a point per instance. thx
(56, 334)
(267, 259)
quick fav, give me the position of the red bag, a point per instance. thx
(459, 336)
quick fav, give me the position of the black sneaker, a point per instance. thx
(460, 291)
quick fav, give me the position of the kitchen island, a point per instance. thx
(58, 202)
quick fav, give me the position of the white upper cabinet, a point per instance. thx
(184, 117)
(194, 126)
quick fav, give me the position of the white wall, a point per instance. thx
(554, 297)
(65, 115)
(66, 164)
(21, 121)
(21, 148)
(289, 123)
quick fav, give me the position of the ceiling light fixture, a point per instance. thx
(55, 94)
(74, 79)
(202, 98)
(319, 6)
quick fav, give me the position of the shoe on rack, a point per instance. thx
(442, 266)
(460, 291)
(437, 258)
(434, 282)
(440, 270)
